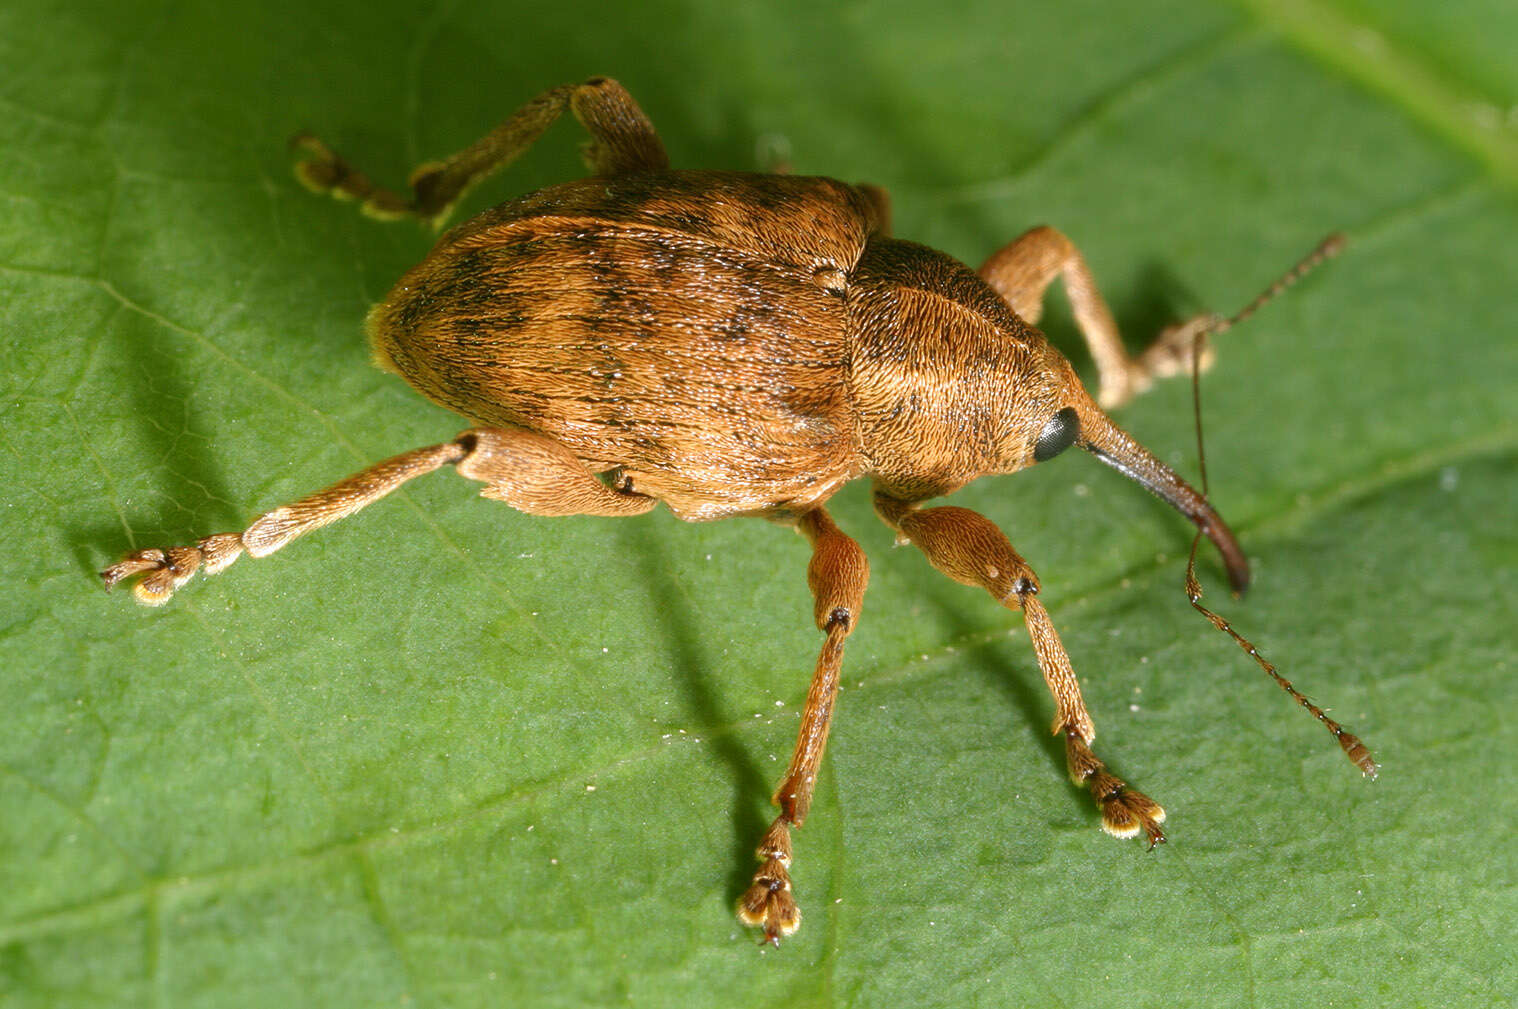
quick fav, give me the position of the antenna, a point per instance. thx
(1353, 748)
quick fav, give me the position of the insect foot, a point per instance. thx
(166, 570)
(1171, 354)
(324, 172)
(768, 903)
(1124, 811)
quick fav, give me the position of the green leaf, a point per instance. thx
(448, 754)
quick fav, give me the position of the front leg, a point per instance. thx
(969, 548)
(837, 576)
(1022, 271)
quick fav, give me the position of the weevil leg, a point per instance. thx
(1022, 271)
(837, 575)
(622, 140)
(528, 471)
(969, 548)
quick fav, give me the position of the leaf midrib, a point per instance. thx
(1368, 57)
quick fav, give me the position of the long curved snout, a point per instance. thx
(1115, 447)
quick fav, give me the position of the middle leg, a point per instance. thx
(837, 576)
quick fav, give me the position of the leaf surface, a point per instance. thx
(448, 754)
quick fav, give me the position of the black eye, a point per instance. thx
(1058, 435)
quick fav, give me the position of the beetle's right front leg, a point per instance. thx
(969, 548)
(837, 575)
(528, 471)
(1023, 270)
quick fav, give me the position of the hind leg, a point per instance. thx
(621, 140)
(528, 471)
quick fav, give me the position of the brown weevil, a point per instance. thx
(734, 343)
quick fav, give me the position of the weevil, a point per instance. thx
(733, 343)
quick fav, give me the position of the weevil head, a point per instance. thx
(948, 384)
(1069, 416)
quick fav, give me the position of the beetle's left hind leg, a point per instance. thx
(837, 576)
(969, 548)
(529, 471)
(621, 140)
(1022, 271)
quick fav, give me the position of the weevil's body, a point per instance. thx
(729, 342)
(733, 344)
(668, 325)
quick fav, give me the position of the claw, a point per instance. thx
(1125, 812)
(132, 564)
